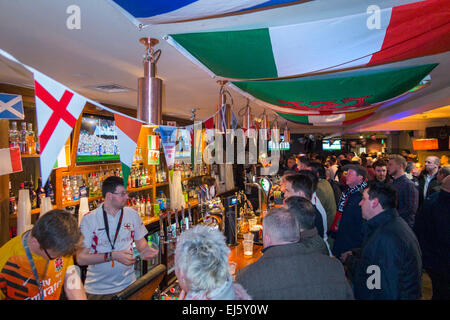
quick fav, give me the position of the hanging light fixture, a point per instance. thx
(287, 133)
(275, 129)
(247, 117)
(150, 87)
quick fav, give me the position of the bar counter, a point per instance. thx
(237, 255)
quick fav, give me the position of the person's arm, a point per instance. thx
(85, 258)
(145, 250)
(73, 287)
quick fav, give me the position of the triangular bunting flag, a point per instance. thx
(127, 135)
(168, 139)
(209, 124)
(57, 111)
(234, 121)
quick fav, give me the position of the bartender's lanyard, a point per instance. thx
(105, 218)
(33, 267)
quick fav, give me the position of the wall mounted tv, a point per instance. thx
(97, 142)
(331, 144)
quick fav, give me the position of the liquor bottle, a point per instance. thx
(14, 135)
(49, 191)
(23, 138)
(31, 139)
(91, 185)
(33, 198)
(147, 177)
(84, 190)
(143, 178)
(133, 179)
(75, 189)
(148, 207)
(12, 200)
(142, 206)
(40, 192)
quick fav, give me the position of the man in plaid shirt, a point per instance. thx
(408, 195)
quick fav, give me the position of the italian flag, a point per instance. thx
(309, 99)
(366, 39)
(128, 130)
(10, 160)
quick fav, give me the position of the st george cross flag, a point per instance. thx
(332, 94)
(11, 106)
(402, 32)
(128, 131)
(10, 160)
(57, 111)
(164, 11)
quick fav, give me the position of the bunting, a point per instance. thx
(127, 134)
(57, 111)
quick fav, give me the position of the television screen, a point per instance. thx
(331, 145)
(97, 141)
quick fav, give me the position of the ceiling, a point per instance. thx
(106, 50)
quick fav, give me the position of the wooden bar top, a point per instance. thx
(237, 255)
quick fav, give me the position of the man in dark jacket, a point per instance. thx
(428, 178)
(305, 213)
(389, 264)
(408, 196)
(347, 224)
(288, 270)
(432, 228)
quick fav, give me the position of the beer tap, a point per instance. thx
(190, 216)
(183, 221)
(161, 234)
(177, 224)
(169, 226)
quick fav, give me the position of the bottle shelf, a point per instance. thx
(162, 184)
(33, 211)
(147, 187)
(76, 202)
(30, 155)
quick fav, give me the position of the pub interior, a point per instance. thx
(212, 118)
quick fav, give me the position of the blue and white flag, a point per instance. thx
(11, 106)
(145, 12)
(234, 120)
(223, 118)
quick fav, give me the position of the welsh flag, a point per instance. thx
(128, 130)
(366, 39)
(310, 99)
(57, 111)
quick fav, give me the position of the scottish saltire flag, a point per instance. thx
(57, 111)
(127, 135)
(310, 99)
(11, 106)
(144, 12)
(365, 39)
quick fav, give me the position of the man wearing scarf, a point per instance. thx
(347, 225)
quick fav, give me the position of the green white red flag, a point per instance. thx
(128, 131)
(361, 40)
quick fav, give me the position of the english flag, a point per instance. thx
(10, 160)
(57, 111)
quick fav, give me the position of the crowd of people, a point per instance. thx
(350, 228)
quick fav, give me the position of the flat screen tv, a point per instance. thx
(97, 142)
(331, 145)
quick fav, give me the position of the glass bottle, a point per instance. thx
(49, 191)
(14, 135)
(40, 191)
(12, 200)
(31, 139)
(23, 138)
